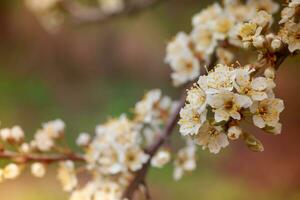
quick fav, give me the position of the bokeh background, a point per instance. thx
(86, 73)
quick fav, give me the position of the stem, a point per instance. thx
(22, 158)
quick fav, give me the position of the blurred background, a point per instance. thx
(85, 73)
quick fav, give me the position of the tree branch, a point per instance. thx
(22, 158)
(168, 130)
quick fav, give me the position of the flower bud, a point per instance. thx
(38, 170)
(25, 148)
(253, 143)
(17, 134)
(83, 139)
(5, 134)
(276, 44)
(270, 73)
(11, 171)
(259, 41)
(234, 132)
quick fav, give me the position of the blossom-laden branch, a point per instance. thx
(211, 112)
(47, 159)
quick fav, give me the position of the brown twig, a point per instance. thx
(81, 14)
(23, 158)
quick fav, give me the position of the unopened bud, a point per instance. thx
(259, 41)
(25, 148)
(234, 132)
(17, 134)
(83, 139)
(38, 170)
(253, 143)
(11, 171)
(270, 73)
(276, 44)
(5, 134)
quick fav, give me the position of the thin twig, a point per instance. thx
(22, 158)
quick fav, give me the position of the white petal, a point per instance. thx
(235, 115)
(258, 96)
(258, 121)
(259, 83)
(221, 115)
(243, 101)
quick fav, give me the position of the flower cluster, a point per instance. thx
(219, 102)
(153, 112)
(212, 26)
(111, 157)
(117, 150)
(44, 141)
(216, 109)
(291, 27)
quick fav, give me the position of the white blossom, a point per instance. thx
(191, 120)
(220, 79)
(83, 139)
(266, 112)
(160, 159)
(38, 170)
(185, 161)
(108, 191)
(212, 138)
(67, 176)
(42, 141)
(185, 65)
(11, 171)
(289, 34)
(267, 5)
(54, 128)
(228, 105)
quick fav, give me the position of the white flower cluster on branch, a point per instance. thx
(220, 99)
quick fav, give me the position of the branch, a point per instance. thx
(85, 15)
(168, 130)
(22, 158)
